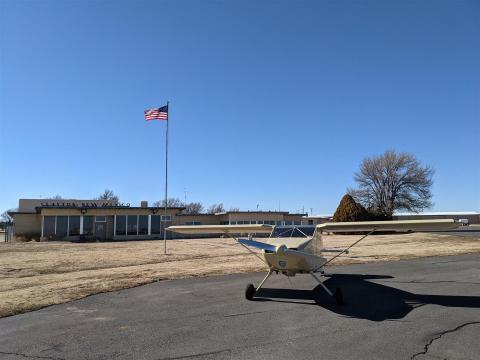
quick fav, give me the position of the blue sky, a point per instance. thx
(272, 103)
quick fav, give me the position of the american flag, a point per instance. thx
(160, 113)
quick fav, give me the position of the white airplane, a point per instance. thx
(292, 250)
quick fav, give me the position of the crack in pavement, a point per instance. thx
(444, 262)
(30, 356)
(247, 313)
(439, 335)
(197, 355)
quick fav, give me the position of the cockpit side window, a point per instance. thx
(292, 231)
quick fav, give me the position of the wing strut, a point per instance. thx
(345, 250)
(246, 247)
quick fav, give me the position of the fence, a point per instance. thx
(7, 233)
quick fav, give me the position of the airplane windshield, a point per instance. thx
(292, 231)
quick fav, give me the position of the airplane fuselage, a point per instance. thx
(291, 264)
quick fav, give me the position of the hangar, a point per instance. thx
(73, 220)
(472, 217)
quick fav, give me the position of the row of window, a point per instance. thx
(138, 224)
(266, 222)
(124, 225)
(67, 225)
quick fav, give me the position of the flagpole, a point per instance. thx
(166, 183)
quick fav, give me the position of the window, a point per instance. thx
(233, 223)
(73, 225)
(297, 223)
(288, 223)
(120, 225)
(48, 225)
(166, 217)
(269, 222)
(279, 223)
(192, 223)
(143, 225)
(88, 225)
(290, 231)
(253, 222)
(100, 218)
(62, 226)
(132, 224)
(155, 225)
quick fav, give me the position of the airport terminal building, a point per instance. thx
(75, 220)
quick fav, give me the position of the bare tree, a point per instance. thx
(108, 195)
(193, 208)
(216, 208)
(5, 217)
(393, 181)
(171, 202)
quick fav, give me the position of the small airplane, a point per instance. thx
(292, 250)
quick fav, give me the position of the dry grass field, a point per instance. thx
(34, 275)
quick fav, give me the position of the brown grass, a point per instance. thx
(34, 275)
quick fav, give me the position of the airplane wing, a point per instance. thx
(222, 229)
(258, 244)
(396, 225)
(373, 226)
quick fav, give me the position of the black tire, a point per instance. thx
(250, 291)
(339, 296)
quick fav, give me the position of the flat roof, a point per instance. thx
(258, 212)
(427, 213)
(323, 216)
(430, 213)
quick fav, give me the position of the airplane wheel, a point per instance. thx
(339, 296)
(250, 291)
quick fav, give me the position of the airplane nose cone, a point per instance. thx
(281, 249)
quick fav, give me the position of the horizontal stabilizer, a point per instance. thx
(221, 229)
(258, 244)
(396, 225)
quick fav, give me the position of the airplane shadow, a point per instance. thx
(365, 299)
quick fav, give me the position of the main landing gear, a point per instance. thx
(250, 290)
(338, 295)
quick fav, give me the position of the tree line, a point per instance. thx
(189, 208)
(385, 183)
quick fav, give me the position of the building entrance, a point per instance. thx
(100, 230)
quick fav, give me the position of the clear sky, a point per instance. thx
(272, 102)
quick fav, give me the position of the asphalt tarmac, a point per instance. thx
(417, 309)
